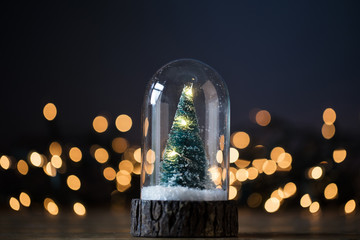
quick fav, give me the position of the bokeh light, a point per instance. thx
(36, 159)
(101, 155)
(75, 154)
(242, 175)
(56, 161)
(137, 155)
(269, 167)
(329, 116)
(100, 124)
(331, 191)
(79, 209)
(234, 155)
(254, 200)
(240, 140)
(51, 206)
(272, 205)
(150, 156)
(55, 148)
(263, 118)
(50, 111)
(232, 192)
(328, 131)
(119, 144)
(276, 152)
(315, 172)
(5, 162)
(314, 207)
(123, 123)
(109, 173)
(284, 160)
(305, 200)
(289, 189)
(25, 199)
(73, 182)
(14, 204)
(22, 167)
(126, 165)
(350, 206)
(339, 155)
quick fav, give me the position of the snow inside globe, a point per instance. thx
(186, 128)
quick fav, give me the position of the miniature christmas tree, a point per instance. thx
(184, 161)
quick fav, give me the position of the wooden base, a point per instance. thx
(151, 218)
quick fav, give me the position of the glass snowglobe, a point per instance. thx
(186, 128)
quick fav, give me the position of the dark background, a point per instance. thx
(292, 58)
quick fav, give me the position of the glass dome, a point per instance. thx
(186, 127)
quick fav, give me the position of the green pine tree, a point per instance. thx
(184, 162)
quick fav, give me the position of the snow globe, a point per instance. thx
(185, 155)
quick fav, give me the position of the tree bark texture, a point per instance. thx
(151, 218)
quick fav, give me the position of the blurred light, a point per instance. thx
(276, 152)
(242, 175)
(101, 155)
(339, 155)
(123, 179)
(240, 163)
(315, 172)
(146, 126)
(232, 192)
(314, 207)
(123, 123)
(219, 156)
(22, 167)
(150, 156)
(328, 131)
(122, 188)
(305, 201)
(259, 163)
(126, 165)
(137, 168)
(222, 142)
(55, 148)
(331, 191)
(14, 204)
(272, 205)
(25, 199)
(50, 170)
(50, 111)
(52, 208)
(232, 175)
(278, 194)
(109, 173)
(263, 118)
(240, 140)
(215, 173)
(254, 200)
(284, 160)
(252, 173)
(75, 154)
(73, 182)
(120, 144)
(289, 189)
(234, 155)
(149, 168)
(137, 155)
(56, 161)
(5, 162)
(350, 206)
(329, 116)
(269, 167)
(36, 159)
(79, 209)
(100, 124)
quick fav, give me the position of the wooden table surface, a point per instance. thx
(105, 224)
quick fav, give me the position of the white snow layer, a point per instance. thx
(182, 194)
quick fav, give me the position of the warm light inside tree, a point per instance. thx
(184, 161)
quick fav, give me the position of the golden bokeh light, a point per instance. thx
(215, 173)
(55, 148)
(119, 144)
(150, 156)
(149, 168)
(284, 160)
(52, 208)
(269, 167)
(50, 111)
(56, 161)
(5, 162)
(329, 116)
(278, 194)
(100, 124)
(22, 167)
(339, 155)
(275, 153)
(123, 178)
(314, 207)
(14, 204)
(73, 182)
(137, 168)
(123, 123)
(219, 156)
(252, 173)
(315, 172)
(232, 192)
(240, 140)
(328, 131)
(36, 159)
(259, 163)
(263, 118)
(234, 155)
(242, 175)
(126, 165)
(241, 163)
(79, 209)
(222, 142)
(25, 199)
(289, 189)
(101, 155)
(232, 177)
(305, 200)
(109, 173)
(254, 200)
(50, 170)
(350, 206)
(75, 154)
(137, 155)
(272, 205)
(331, 191)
